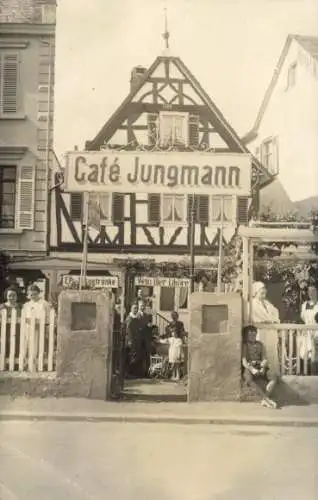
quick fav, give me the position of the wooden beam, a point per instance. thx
(171, 80)
(144, 107)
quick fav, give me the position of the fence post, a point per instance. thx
(3, 335)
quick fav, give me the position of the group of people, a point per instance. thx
(140, 336)
(256, 370)
(33, 311)
(306, 344)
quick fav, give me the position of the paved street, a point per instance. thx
(90, 461)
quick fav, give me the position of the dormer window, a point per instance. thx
(174, 129)
(291, 76)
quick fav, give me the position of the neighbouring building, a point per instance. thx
(27, 54)
(284, 135)
(168, 124)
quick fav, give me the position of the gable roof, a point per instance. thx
(224, 129)
(310, 45)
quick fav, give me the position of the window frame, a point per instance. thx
(103, 222)
(109, 221)
(185, 127)
(232, 220)
(166, 223)
(273, 141)
(15, 182)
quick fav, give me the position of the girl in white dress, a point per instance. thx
(174, 354)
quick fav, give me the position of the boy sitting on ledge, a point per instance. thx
(255, 366)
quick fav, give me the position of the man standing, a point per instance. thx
(145, 328)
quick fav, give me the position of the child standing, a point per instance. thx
(175, 353)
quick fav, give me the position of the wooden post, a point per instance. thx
(250, 277)
(245, 242)
(85, 243)
(192, 244)
(220, 262)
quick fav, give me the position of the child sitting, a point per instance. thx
(174, 354)
(255, 367)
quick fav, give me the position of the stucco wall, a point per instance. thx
(26, 11)
(292, 116)
(33, 126)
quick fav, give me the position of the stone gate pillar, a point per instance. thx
(215, 347)
(84, 342)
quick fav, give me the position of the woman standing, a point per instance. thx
(262, 310)
(36, 311)
(133, 342)
(13, 313)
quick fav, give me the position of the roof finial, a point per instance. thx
(166, 34)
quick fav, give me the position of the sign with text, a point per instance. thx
(94, 282)
(158, 172)
(162, 282)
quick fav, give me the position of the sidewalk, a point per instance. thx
(71, 409)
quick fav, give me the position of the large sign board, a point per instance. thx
(162, 282)
(158, 172)
(94, 282)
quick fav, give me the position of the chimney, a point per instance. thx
(137, 74)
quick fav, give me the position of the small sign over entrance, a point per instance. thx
(94, 282)
(162, 282)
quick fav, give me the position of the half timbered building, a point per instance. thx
(167, 112)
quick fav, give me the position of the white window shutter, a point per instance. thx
(9, 82)
(26, 197)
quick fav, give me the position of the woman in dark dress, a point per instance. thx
(133, 343)
(11, 304)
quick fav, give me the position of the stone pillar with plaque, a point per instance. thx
(84, 343)
(215, 335)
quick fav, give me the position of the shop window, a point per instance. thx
(183, 297)
(167, 298)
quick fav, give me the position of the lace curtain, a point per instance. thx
(173, 208)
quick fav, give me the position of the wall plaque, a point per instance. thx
(83, 316)
(215, 319)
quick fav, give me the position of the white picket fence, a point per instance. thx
(296, 347)
(27, 344)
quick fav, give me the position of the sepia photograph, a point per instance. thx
(158, 249)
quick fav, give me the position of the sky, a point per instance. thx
(231, 46)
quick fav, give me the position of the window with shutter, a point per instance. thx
(8, 181)
(118, 207)
(173, 209)
(152, 119)
(201, 208)
(174, 129)
(194, 131)
(9, 63)
(242, 210)
(76, 206)
(154, 208)
(26, 197)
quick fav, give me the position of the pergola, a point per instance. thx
(256, 235)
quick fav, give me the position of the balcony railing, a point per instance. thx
(292, 349)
